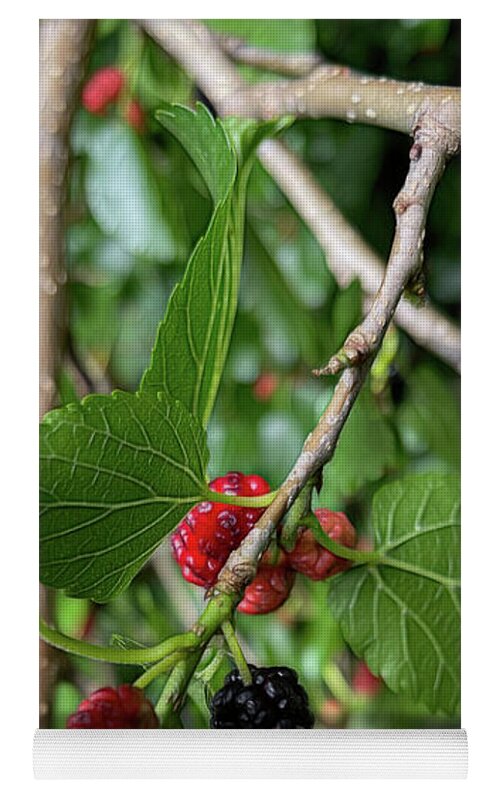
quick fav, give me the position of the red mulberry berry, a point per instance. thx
(123, 707)
(102, 88)
(265, 386)
(205, 538)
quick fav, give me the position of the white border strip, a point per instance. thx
(205, 754)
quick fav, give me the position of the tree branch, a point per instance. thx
(339, 92)
(427, 161)
(346, 253)
(63, 47)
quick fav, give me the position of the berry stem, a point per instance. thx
(172, 698)
(237, 653)
(163, 666)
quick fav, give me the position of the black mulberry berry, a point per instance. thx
(274, 699)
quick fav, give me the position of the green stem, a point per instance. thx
(137, 656)
(264, 500)
(161, 667)
(293, 519)
(167, 700)
(219, 608)
(172, 697)
(237, 653)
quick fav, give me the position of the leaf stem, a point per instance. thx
(360, 557)
(373, 557)
(114, 655)
(264, 500)
(167, 700)
(237, 653)
(172, 697)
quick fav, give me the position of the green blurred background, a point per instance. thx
(137, 208)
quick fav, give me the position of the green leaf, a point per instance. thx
(122, 192)
(287, 324)
(207, 143)
(432, 411)
(118, 473)
(366, 451)
(193, 339)
(402, 614)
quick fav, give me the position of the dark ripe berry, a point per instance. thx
(123, 707)
(104, 87)
(364, 682)
(205, 538)
(274, 699)
(313, 560)
(268, 591)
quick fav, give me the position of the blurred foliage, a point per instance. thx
(137, 208)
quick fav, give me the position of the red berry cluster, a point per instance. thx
(206, 537)
(209, 533)
(103, 89)
(123, 707)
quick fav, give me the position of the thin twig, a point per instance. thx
(319, 447)
(427, 160)
(291, 64)
(346, 253)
